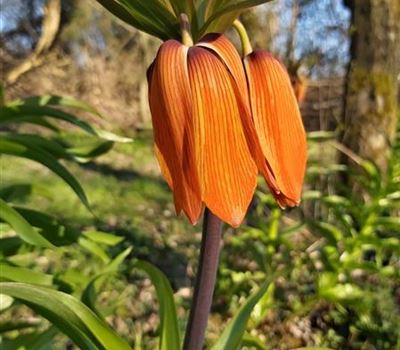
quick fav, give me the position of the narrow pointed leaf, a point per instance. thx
(68, 314)
(18, 113)
(232, 335)
(20, 274)
(23, 229)
(169, 330)
(17, 149)
(223, 13)
(54, 100)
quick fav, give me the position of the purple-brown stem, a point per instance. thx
(205, 282)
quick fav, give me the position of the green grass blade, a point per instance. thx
(68, 314)
(169, 330)
(233, 334)
(23, 229)
(20, 274)
(31, 341)
(56, 232)
(19, 113)
(46, 159)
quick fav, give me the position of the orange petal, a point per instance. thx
(278, 124)
(171, 110)
(225, 50)
(227, 170)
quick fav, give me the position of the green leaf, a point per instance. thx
(20, 274)
(169, 330)
(151, 17)
(94, 249)
(32, 341)
(11, 325)
(61, 101)
(69, 315)
(104, 238)
(117, 261)
(232, 335)
(38, 142)
(344, 293)
(50, 228)
(9, 246)
(330, 232)
(19, 112)
(83, 153)
(16, 191)
(225, 12)
(89, 294)
(87, 152)
(46, 159)
(253, 342)
(23, 229)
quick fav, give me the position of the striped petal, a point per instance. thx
(171, 110)
(278, 124)
(225, 50)
(228, 54)
(225, 165)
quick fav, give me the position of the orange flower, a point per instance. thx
(213, 127)
(278, 124)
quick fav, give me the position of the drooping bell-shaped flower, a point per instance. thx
(200, 141)
(217, 120)
(278, 124)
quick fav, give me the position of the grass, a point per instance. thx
(128, 198)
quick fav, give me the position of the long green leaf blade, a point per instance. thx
(46, 159)
(169, 330)
(233, 334)
(69, 315)
(23, 229)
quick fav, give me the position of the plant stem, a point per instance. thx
(244, 38)
(185, 30)
(205, 282)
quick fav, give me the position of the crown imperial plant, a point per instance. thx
(218, 120)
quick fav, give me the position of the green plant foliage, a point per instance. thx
(160, 18)
(232, 336)
(169, 330)
(68, 314)
(21, 226)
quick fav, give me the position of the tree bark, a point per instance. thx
(370, 113)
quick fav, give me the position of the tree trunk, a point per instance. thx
(372, 81)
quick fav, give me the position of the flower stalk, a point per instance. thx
(205, 282)
(185, 30)
(247, 49)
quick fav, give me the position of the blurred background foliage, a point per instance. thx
(333, 262)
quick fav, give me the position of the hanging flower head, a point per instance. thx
(218, 121)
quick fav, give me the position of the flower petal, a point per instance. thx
(226, 168)
(278, 123)
(171, 109)
(228, 54)
(225, 50)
